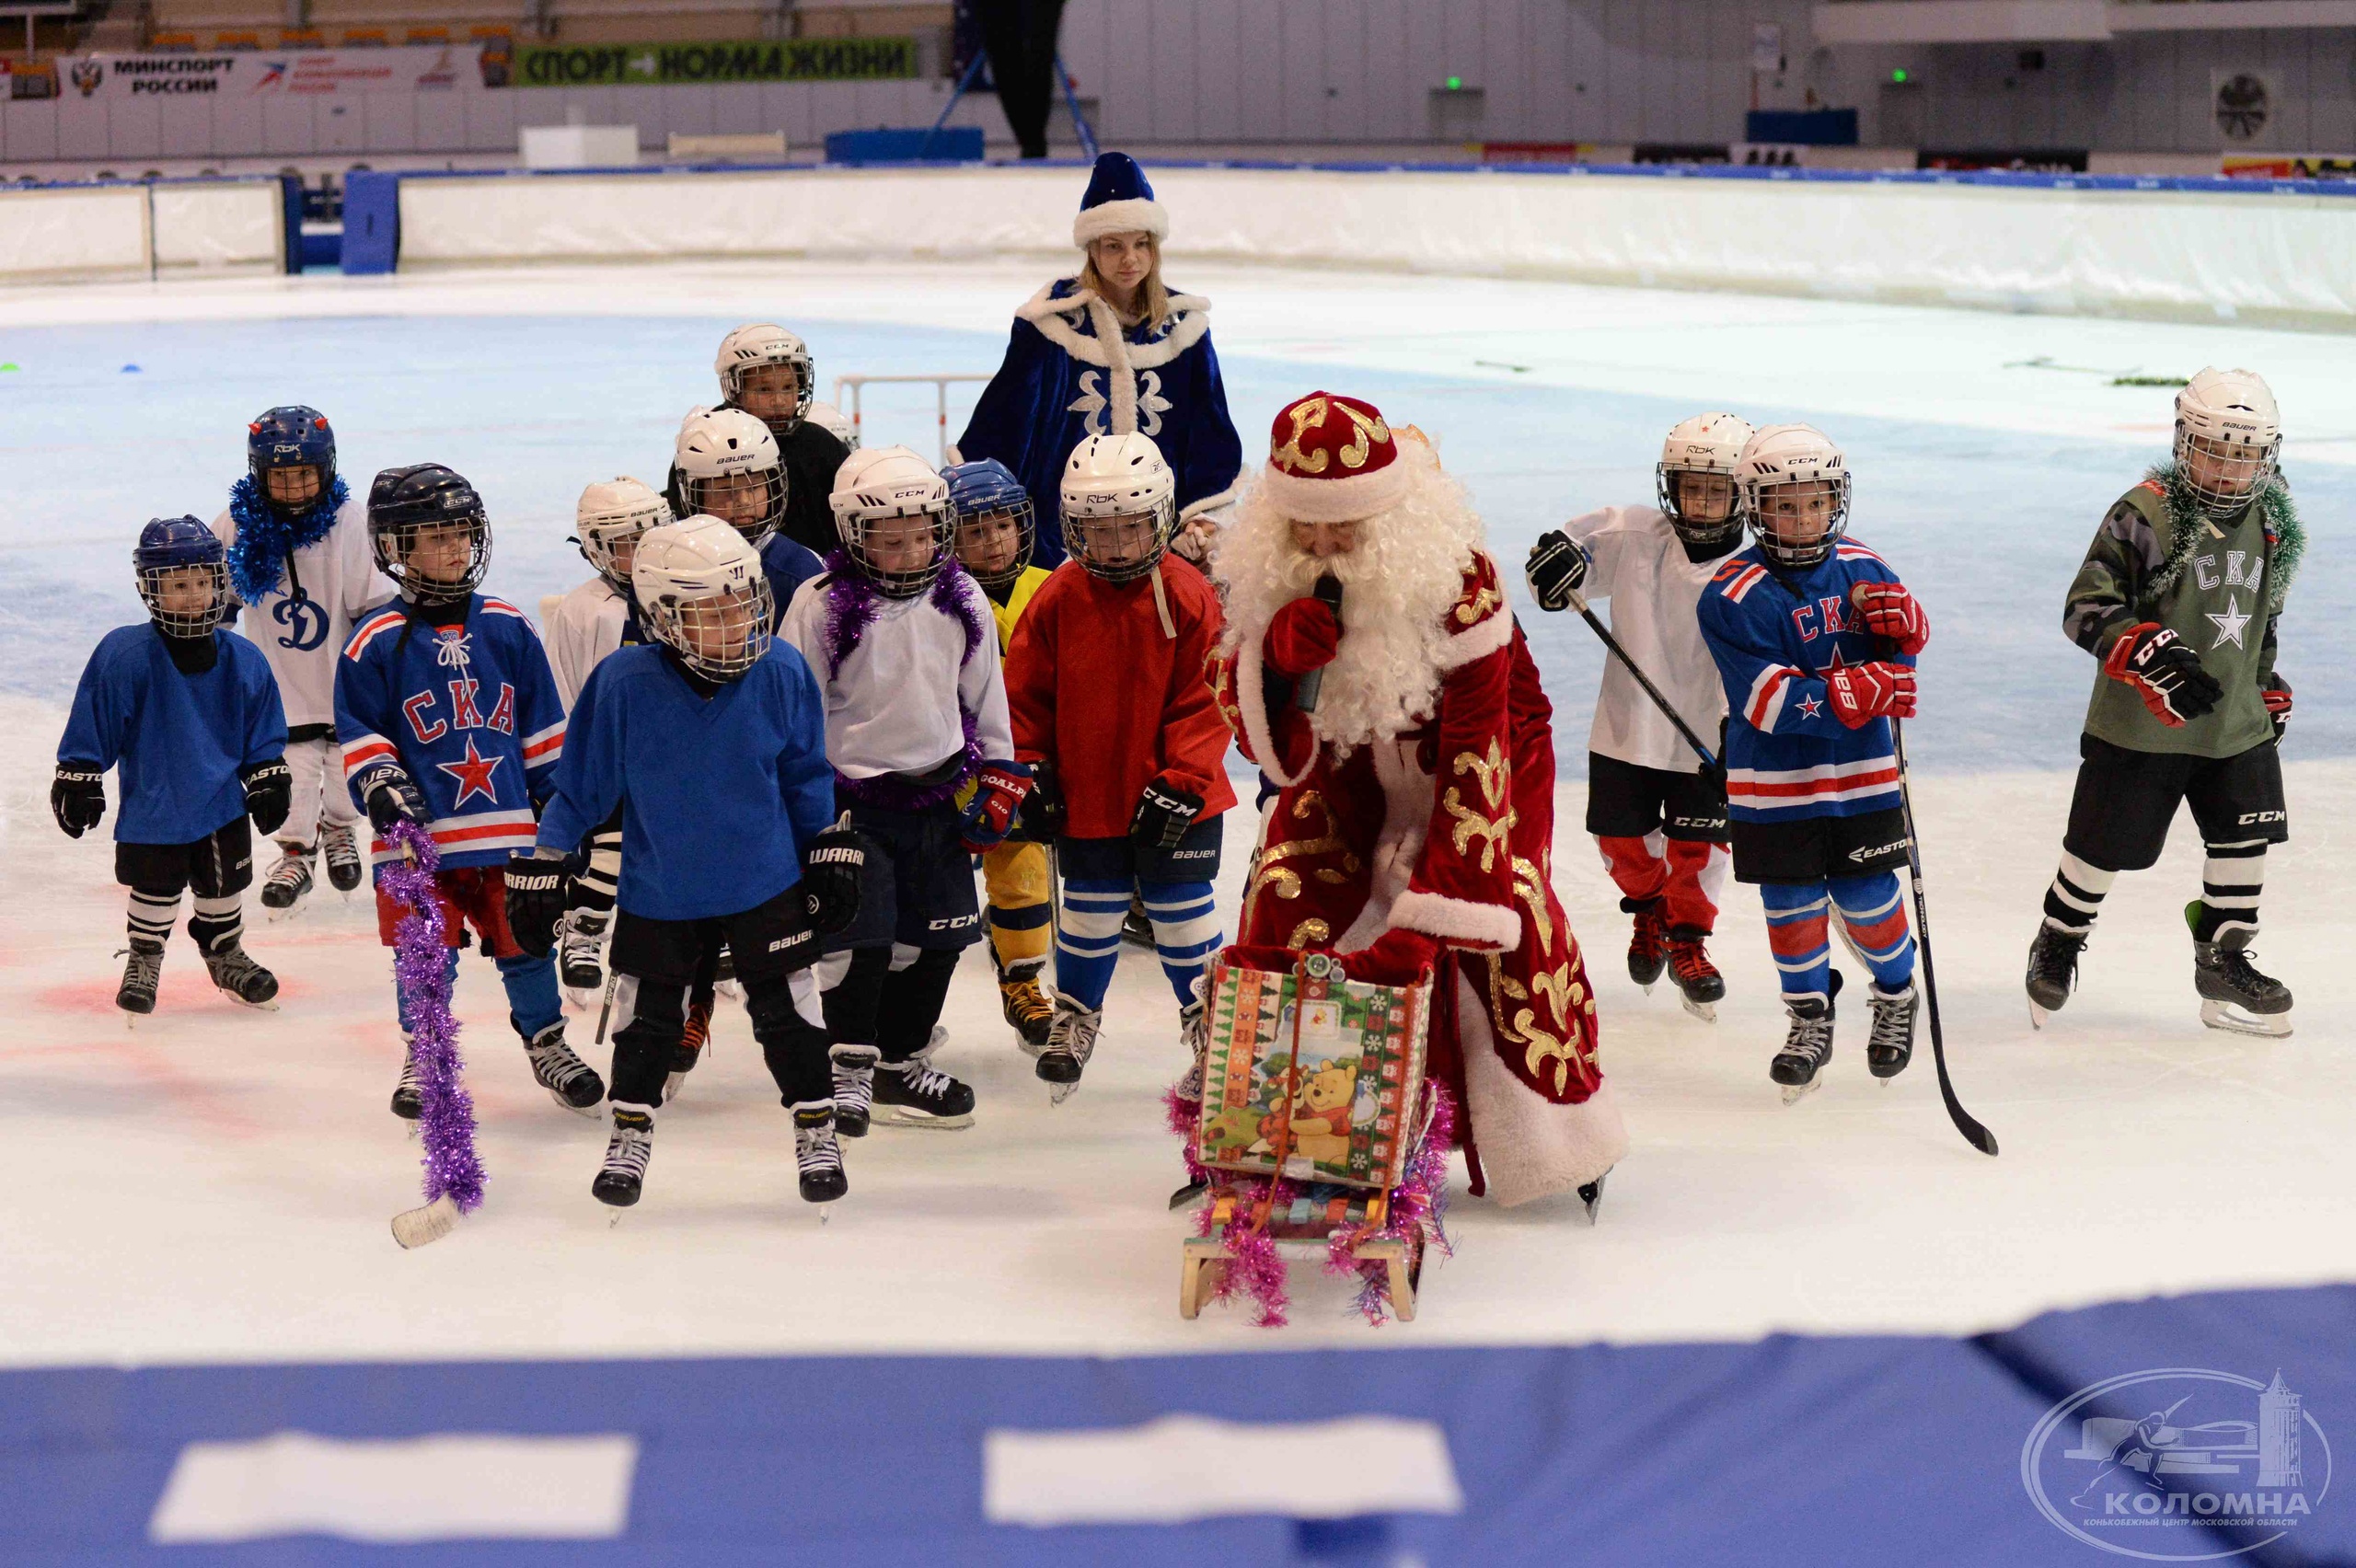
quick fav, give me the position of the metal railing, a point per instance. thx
(940, 384)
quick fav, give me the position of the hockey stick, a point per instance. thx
(1974, 1134)
(1578, 602)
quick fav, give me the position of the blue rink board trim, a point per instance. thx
(1790, 1450)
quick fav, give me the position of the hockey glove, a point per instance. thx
(1557, 569)
(78, 797)
(2164, 673)
(831, 870)
(1042, 817)
(1164, 813)
(390, 795)
(536, 883)
(996, 797)
(1889, 611)
(2277, 693)
(270, 791)
(1861, 693)
(1302, 637)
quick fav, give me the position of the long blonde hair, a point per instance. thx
(1151, 294)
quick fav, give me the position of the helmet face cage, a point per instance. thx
(699, 496)
(1756, 503)
(1673, 505)
(291, 437)
(901, 582)
(2238, 470)
(600, 539)
(393, 543)
(732, 383)
(719, 636)
(157, 582)
(1160, 517)
(1026, 533)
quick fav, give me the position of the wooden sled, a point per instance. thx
(1202, 1259)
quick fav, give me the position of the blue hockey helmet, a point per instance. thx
(427, 498)
(290, 436)
(168, 547)
(986, 489)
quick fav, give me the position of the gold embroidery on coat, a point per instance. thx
(1309, 932)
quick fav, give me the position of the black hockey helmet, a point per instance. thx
(404, 503)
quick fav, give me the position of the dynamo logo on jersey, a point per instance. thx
(306, 621)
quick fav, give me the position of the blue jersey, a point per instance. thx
(180, 739)
(719, 794)
(1774, 632)
(788, 566)
(469, 711)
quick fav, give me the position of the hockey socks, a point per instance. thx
(2232, 878)
(1874, 914)
(1686, 875)
(1185, 931)
(1019, 917)
(2076, 896)
(153, 915)
(1088, 942)
(1798, 936)
(595, 887)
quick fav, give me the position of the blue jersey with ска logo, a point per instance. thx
(468, 710)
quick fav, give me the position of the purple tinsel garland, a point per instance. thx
(852, 603)
(421, 966)
(1418, 1205)
(265, 540)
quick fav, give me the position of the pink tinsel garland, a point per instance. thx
(421, 965)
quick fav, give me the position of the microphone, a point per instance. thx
(1328, 592)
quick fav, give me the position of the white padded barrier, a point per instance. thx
(2161, 248)
(238, 227)
(97, 233)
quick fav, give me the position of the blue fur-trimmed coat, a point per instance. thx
(1071, 372)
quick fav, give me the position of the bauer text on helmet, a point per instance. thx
(1119, 502)
(729, 467)
(766, 370)
(894, 519)
(2228, 438)
(995, 522)
(699, 586)
(1795, 490)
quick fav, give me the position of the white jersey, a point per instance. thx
(1641, 566)
(302, 625)
(580, 629)
(895, 704)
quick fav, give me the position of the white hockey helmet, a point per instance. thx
(726, 465)
(881, 491)
(759, 343)
(1118, 477)
(2227, 427)
(1787, 454)
(829, 417)
(1706, 444)
(613, 513)
(703, 594)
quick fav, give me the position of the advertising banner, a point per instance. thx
(784, 60)
(454, 67)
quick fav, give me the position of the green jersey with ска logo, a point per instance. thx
(2217, 583)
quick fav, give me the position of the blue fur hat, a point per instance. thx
(1118, 202)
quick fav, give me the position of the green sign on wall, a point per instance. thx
(638, 65)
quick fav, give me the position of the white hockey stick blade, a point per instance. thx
(2234, 1020)
(415, 1228)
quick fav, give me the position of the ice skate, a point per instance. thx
(1072, 1040)
(2235, 996)
(342, 857)
(406, 1103)
(1192, 1034)
(1592, 1195)
(577, 944)
(1648, 944)
(816, 1155)
(570, 1081)
(855, 1087)
(1700, 987)
(286, 884)
(142, 972)
(1799, 1066)
(1137, 926)
(1891, 1045)
(622, 1178)
(234, 972)
(2053, 970)
(1028, 1011)
(689, 1049)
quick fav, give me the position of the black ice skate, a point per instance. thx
(233, 969)
(1137, 926)
(1799, 1066)
(570, 1081)
(689, 1049)
(1647, 943)
(1192, 1034)
(817, 1154)
(1891, 1045)
(576, 960)
(723, 974)
(287, 882)
(2053, 970)
(142, 972)
(2235, 996)
(1024, 1002)
(406, 1103)
(623, 1176)
(1072, 1040)
(1700, 987)
(342, 857)
(855, 1087)
(915, 1093)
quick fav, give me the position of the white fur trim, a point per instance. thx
(1212, 502)
(1250, 702)
(1529, 1146)
(1058, 321)
(1478, 640)
(1345, 500)
(1138, 214)
(1456, 919)
(1120, 378)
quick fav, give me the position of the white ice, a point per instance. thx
(215, 1183)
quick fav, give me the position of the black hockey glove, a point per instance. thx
(1042, 818)
(270, 791)
(2164, 673)
(1164, 813)
(831, 872)
(392, 796)
(1556, 570)
(78, 797)
(536, 881)
(2275, 694)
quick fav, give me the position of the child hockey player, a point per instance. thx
(581, 627)
(191, 715)
(995, 528)
(766, 370)
(298, 559)
(1658, 816)
(725, 465)
(2189, 706)
(710, 746)
(1814, 638)
(1106, 686)
(898, 637)
(450, 719)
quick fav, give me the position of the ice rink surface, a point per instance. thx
(214, 1185)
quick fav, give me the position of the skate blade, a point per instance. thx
(2234, 1020)
(595, 1113)
(581, 998)
(1646, 986)
(672, 1085)
(2036, 1016)
(1706, 1011)
(270, 1005)
(1060, 1092)
(1593, 1199)
(1188, 1194)
(728, 988)
(1796, 1092)
(419, 1226)
(900, 1116)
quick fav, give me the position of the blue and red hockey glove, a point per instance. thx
(997, 795)
(2164, 673)
(1862, 693)
(1891, 612)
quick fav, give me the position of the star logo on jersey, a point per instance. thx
(2229, 624)
(1810, 708)
(473, 776)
